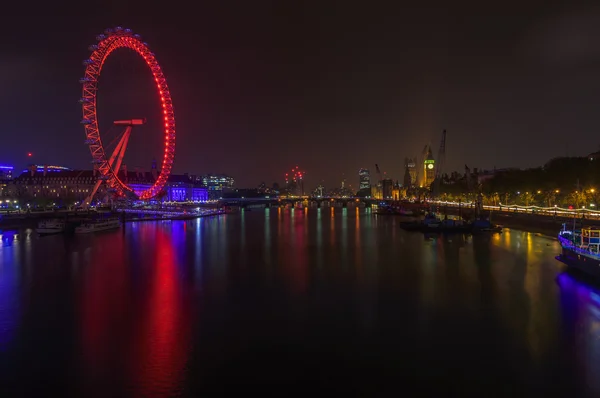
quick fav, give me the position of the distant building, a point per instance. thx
(364, 179)
(319, 191)
(387, 187)
(411, 169)
(428, 169)
(396, 191)
(6, 172)
(6, 175)
(594, 156)
(216, 184)
(66, 187)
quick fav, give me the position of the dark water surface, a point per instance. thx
(287, 301)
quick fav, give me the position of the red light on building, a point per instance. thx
(29, 154)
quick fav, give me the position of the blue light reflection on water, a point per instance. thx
(9, 289)
(580, 302)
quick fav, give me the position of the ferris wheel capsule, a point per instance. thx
(93, 47)
(127, 31)
(86, 121)
(118, 29)
(108, 31)
(84, 100)
(89, 61)
(137, 36)
(100, 37)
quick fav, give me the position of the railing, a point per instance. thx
(538, 210)
(569, 244)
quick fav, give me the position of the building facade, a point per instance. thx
(6, 175)
(65, 187)
(428, 169)
(216, 184)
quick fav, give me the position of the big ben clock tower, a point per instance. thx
(428, 169)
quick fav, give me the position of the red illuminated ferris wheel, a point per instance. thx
(108, 166)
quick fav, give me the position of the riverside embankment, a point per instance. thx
(545, 224)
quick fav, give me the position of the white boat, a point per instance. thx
(101, 224)
(48, 227)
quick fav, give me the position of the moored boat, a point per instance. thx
(485, 225)
(49, 227)
(100, 224)
(581, 249)
(431, 223)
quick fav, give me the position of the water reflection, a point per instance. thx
(580, 302)
(184, 308)
(9, 295)
(138, 344)
(162, 345)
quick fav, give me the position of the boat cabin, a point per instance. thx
(590, 239)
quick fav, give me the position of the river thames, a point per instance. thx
(282, 301)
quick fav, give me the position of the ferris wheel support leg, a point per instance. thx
(120, 152)
(88, 200)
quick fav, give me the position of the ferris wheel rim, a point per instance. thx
(112, 40)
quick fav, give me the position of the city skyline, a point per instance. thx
(247, 106)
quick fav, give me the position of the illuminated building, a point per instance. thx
(428, 169)
(45, 168)
(376, 192)
(364, 179)
(70, 186)
(6, 172)
(396, 191)
(216, 184)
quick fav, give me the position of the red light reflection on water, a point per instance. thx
(162, 344)
(135, 320)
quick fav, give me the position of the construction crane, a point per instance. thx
(441, 159)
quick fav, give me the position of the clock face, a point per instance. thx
(430, 166)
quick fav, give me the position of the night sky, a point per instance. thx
(260, 87)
